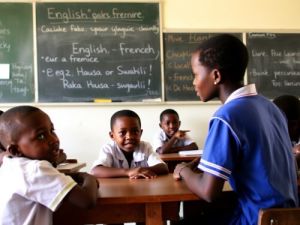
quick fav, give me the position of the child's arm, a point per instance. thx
(148, 172)
(192, 146)
(211, 186)
(139, 172)
(85, 194)
(167, 147)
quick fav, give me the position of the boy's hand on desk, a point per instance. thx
(140, 172)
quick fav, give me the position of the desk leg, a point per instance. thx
(154, 214)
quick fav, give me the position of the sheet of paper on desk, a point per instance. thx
(191, 152)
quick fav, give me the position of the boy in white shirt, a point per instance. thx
(32, 188)
(126, 155)
(169, 139)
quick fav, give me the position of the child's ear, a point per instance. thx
(217, 76)
(179, 123)
(160, 125)
(111, 135)
(13, 150)
(141, 132)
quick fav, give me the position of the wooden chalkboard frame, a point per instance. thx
(111, 76)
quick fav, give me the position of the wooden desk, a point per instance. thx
(123, 200)
(172, 159)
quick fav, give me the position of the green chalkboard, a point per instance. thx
(16, 53)
(178, 77)
(98, 50)
(274, 64)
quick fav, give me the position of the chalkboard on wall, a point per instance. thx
(16, 53)
(178, 77)
(98, 50)
(274, 64)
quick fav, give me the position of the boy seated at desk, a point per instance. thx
(33, 187)
(126, 155)
(62, 157)
(170, 139)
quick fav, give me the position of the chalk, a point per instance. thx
(102, 100)
(105, 100)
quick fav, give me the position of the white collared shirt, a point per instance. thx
(30, 191)
(110, 155)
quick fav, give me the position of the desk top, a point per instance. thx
(161, 189)
(177, 157)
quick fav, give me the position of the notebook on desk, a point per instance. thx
(191, 152)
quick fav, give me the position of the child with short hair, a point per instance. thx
(170, 139)
(126, 155)
(32, 188)
(247, 143)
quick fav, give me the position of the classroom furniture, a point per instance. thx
(172, 159)
(125, 200)
(70, 167)
(279, 216)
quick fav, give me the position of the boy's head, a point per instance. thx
(26, 131)
(220, 60)
(126, 129)
(290, 106)
(169, 122)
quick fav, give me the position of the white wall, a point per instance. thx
(83, 128)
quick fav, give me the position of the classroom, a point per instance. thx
(86, 127)
(82, 122)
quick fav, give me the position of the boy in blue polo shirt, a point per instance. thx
(247, 143)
